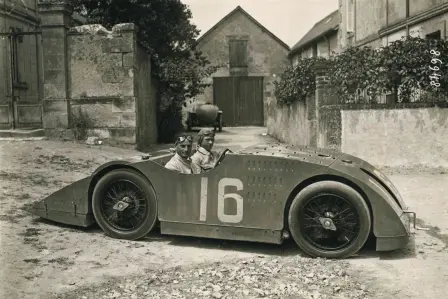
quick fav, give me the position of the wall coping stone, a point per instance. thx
(97, 29)
(55, 6)
(385, 106)
(124, 27)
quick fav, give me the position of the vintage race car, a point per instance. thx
(328, 201)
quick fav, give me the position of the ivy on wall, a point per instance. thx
(403, 67)
(297, 81)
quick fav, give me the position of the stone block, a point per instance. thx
(118, 45)
(55, 120)
(128, 60)
(102, 116)
(124, 105)
(95, 115)
(125, 135)
(53, 33)
(100, 133)
(114, 75)
(64, 134)
(127, 120)
(56, 77)
(55, 106)
(114, 60)
(55, 91)
(53, 46)
(54, 62)
(124, 27)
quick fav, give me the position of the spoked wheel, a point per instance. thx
(124, 204)
(329, 219)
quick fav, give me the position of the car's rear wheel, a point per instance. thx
(329, 219)
(124, 204)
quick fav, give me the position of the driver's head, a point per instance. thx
(184, 145)
(206, 138)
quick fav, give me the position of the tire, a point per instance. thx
(303, 227)
(137, 189)
(220, 124)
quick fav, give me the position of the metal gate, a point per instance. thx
(21, 84)
(240, 99)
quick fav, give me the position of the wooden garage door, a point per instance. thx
(240, 99)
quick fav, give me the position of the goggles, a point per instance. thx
(183, 138)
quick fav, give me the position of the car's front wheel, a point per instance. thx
(329, 219)
(124, 204)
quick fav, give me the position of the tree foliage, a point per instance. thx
(167, 35)
(404, 66)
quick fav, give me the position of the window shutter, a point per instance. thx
(238, 53)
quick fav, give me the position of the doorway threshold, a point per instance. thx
(22, 133)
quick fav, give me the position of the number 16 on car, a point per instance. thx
(222, 197)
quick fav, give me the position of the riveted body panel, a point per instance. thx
(245, 197)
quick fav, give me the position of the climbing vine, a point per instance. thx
(297, 82)
(403, 67)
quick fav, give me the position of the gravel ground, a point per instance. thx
(259, 277)
(41, 259)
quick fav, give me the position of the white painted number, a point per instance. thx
(222, 196)
(203, 209)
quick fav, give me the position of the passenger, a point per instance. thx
(181, 162)
(204, 159)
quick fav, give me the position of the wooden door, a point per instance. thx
(240, 99)
(20, 89)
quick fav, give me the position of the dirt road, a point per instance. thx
(38, 258)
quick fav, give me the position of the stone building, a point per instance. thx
(250, 57)
(70, 81)
(377, 23)
(372, 23)
(320, 41)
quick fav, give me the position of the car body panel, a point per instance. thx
(243, 198)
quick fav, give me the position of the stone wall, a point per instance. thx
(397, 137)
(96, 82)
(378, 23)
(110, 79)
(289, 123)
(101, 78)
(394, 135)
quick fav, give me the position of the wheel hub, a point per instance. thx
(327, 223)
(122, 204)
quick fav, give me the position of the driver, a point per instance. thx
(204, 159)
(181, 162)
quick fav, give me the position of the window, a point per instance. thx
(434, 35)
(350, 15)
(314, 50)
(238, 53)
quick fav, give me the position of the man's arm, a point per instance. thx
(172, 166)
(196, 164)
